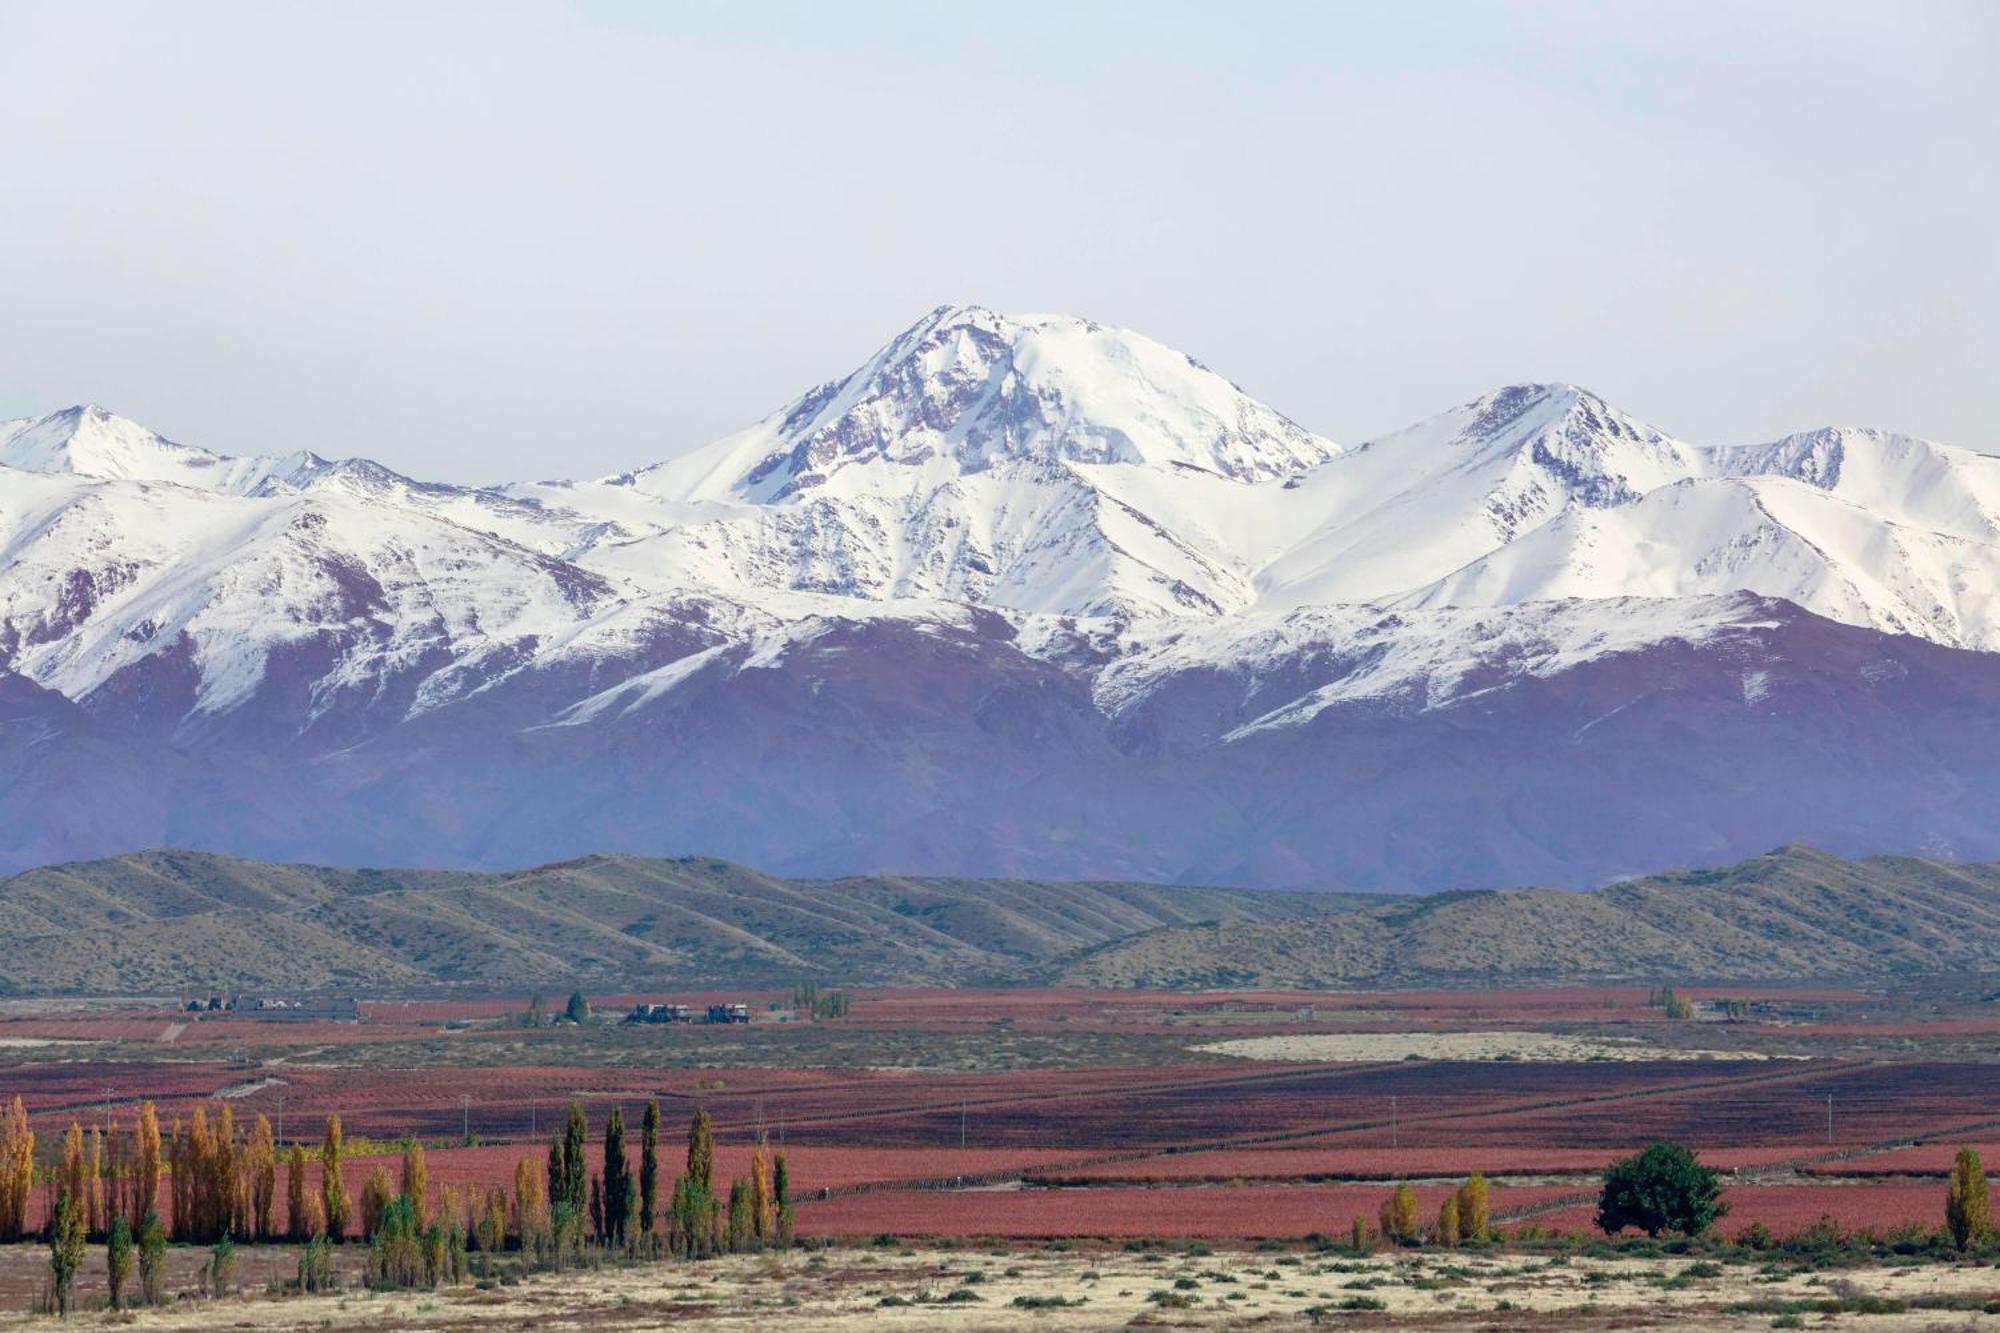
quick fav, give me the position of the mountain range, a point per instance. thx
(1025, 596)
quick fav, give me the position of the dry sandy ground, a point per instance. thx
(845, 1289)
(1372, 1046)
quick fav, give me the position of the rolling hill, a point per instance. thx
(1791, 915)
(153, 922)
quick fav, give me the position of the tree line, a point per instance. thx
(221, 1187)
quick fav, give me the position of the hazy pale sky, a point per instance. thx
(487, 241)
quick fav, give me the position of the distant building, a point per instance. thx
(681, 1013)
(277, 1009)
(660, 1013)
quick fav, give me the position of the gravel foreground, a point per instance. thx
(969, 1289)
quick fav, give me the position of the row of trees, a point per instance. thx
(1663, 1189)
(1463, 1216)
(110, 1175)
(808, 999)
(623, 1208)
(561, 1209)
(218, 1181)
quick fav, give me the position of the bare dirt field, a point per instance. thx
(1368, 1046)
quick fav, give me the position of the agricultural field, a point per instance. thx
(1099, 1121)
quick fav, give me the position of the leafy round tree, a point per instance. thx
(1661, 1189)
(1399, 1216)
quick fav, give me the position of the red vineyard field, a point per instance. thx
(1232, 1212)
(1870, 1104)
(1386, 1164)
(1787, 1209)
(1925, 1159)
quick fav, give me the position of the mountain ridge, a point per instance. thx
(154, 922)
(1792, 914)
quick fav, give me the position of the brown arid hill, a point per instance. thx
(1793, 914)
(152, 922)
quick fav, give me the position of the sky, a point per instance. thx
(492, 241)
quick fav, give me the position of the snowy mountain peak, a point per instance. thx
(966, 389)
(88, 441)
(1603, 451)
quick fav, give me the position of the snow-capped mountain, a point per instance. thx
(1036, 463)
(1020, 594)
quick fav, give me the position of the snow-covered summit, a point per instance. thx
(966, 389)
(88, 441)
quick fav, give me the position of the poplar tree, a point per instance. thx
(1447, 1224)
(377, 1193)
(260, 1163)
(1968, 1212)
(576, 1134)
(763, 1207)
(145, 1167)
(531, 1209)
(118, 1259)
(417, 1183)
(490, 1233)
(701, 1151)
(66, 1241)
(197, 1220)
(69, 1177)
(617, 1177)
(226, 1216)
(180, 1173)
(1472, 1207)
(742, 1229)
(628, 1224)
(152, 1258)
(649, 1166)
(17, 1172)
(781, 1190)
(333, 1189)
(97, 1220)
(295, 1195)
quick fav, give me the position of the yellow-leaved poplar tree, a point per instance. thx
(1968, 1212)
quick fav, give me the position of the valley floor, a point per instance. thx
(1076, 1159)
